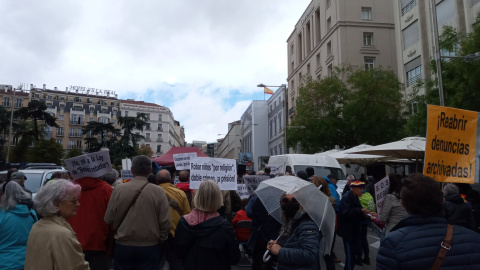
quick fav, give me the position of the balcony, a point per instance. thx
(75, 134)
(409, 7)
(76, 122)
(291, 111)
(60, 134)
(148, 140)
(159, 129)
(159, 140)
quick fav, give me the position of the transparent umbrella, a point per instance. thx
(315, 203)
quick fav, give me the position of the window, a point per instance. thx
(70, 144)
(103, 120)
(410, 35)
(126, 113)
(366, 14)
(148, 116)
(79, 144)
(300, 77)
(367, 39)
(291, 49)
(308, 69)
(329, 23)
(318, 59)
(474, 2)
(329, 48)
(160, 117)
(79, 132)
(159, 138)
(59, 141)
(271, 129)
(160, 127)
(408, 5)
(300, 45)
(18, 103)
(62, 106)
(159, 148)
(369, 63)
(446, 13)
(148, 126)
(328, 3)
(308, 41)
(6, 102)
(330, 70)
(60, 117)
(91, 109)
(413, 71)
(72, 132)
(90, 119)
(317, 26)
(147, 137)
(59, 131)
(49, 97)
(292, 65)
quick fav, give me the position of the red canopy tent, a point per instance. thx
(167, 158)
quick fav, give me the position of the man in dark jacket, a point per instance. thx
(414, 243)
(350, 217)
(457, 212)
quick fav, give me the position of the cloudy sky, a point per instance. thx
(201, 58)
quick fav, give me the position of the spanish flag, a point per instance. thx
(267, 90)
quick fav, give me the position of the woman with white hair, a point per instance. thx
(205, 240)
(16, 221)
(52, 243)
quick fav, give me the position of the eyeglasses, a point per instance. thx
(286, 200)
(74, 200)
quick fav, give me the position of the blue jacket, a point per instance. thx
(415, 241)
(301, 249)
(333, 190)
(15, 226)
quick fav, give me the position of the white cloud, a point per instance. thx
(188, 55)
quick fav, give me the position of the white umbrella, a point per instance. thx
(412, 148)
(347, 156)
(313, 201)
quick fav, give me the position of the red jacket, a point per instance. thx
(88, 223)
(242, 234)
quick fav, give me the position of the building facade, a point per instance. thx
(73, 109)
(415, 34)
(179, 132)
(276, 122)
(229, 146)
(159, 133)
(254, 135)
(333, 33)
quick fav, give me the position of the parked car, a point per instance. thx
(36, 178)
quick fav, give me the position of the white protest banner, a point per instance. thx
(221, 170)
(182, 160)
(242, 191)
(126, 175)
(176, 180)
(89, 165)
(381, 190)
(276, 168)
(252, 181)
(126, 164)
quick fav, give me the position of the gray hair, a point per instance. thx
(451, 189)
(351, 177)
(142, 165)
(208, 197)
(110, 177)
(54, 191)
(14, 193)
(164, 176)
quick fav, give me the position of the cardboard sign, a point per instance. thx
(126, 164)
(451, 145)
(276, 168)
(126, 175)
(221, 170)
(182, 160)
(89, 165)
(242, 191)
(381, 190)
(252, 181)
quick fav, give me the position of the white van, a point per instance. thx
(322, 165)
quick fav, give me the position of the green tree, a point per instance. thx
(97, 134)
(128, 124)
(346, 109)
(48, 151)
(36, 110)
(74, 152)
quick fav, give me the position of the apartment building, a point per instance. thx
(415, 36)
(229, 146)
(332, 33)
(74, 108)
(276, 122)
(179, 134)
(15, 99)
(254, 134)
(159, 133)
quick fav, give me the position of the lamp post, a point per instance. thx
(10, 128)
(285, 105)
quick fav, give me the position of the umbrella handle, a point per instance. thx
(266, 256)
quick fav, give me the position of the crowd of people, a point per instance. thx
(97, 223)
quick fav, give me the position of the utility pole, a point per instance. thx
(10, 128)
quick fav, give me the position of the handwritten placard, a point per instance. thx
(126, 175)
(252, 181)
(89, 165)
(182, 160)
(381, 190)
(221, 170)
(242, 191)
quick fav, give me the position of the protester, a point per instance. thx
(415, 242)
(392, 210)
(88, 223)
(16, 221)
(264, 227)
(350, 179)
(20, 178)
(350, 217)
(179, 206)
(52, 243)
(184, 178)
(457, 212)
(370, 188)
(332, 184)
(268, 171)
(146, 223)
(288, 170)
(110, 177)
(473, 199)
(363, 250)
(302, 175)
(242, 234)
(299, 242)
(203, 238)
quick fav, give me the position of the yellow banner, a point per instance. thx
(450, 149)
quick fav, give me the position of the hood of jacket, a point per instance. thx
(184, 186)
(329, 181)
(454, 198)
(417, 220)
(89, 183)
(20, 210)
(204, 228)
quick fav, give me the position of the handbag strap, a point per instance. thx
(130, 206)
(174, 204)
(444, 248)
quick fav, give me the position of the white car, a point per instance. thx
(36, 178)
